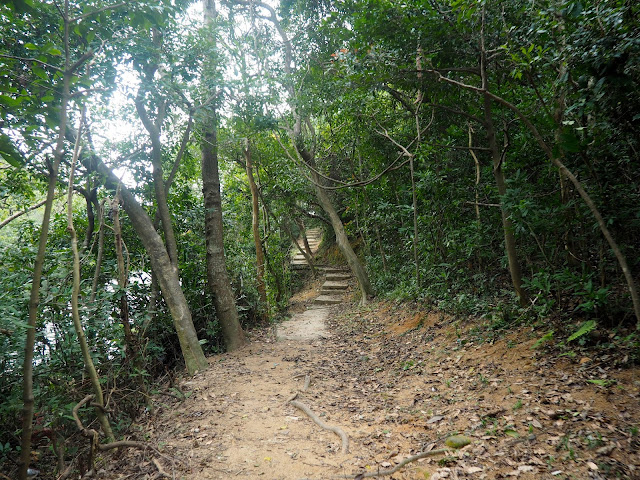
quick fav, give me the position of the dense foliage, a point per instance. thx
(434, 179)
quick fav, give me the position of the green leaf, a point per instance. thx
(586, 327)
(457, 441)
(602, 383)
(40, 72)
(9, 152)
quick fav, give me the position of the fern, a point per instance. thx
(584, 329)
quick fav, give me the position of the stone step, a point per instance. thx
(327, 300)
(328, 270)
(328, 285)
(337, 277)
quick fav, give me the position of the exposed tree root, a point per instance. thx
(337, 430)
(95, 444)
(391, 471)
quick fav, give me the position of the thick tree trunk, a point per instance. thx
(166, 273)
(223, 296)
(218, 278)
(255, 226)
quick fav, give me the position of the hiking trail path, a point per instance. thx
(397, 380)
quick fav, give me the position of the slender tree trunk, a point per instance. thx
(154, 129)
(34, 298)
(122, 277)
(303, 251)
(414, 204)
(303, 235)
(166, 273)
(96, 273)
(381, 248)
(507, 224)
(255, 227)
(218, 278)
(75, 310)
(498, 173)
(90, 200)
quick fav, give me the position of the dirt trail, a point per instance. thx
(395, 379)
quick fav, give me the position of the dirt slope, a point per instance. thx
(396, 380)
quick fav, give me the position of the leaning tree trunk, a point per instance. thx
(366, 290)
(165, 271)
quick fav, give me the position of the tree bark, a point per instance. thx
(218, 278)
(122, 277)
(255, 226)
(507, 224)
(167, 275)
(498, 173)
(34, 298)
(100, 256)
(75, 310)
(154, 129)
(303, 234)
(366, 289)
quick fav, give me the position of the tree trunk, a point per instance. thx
(303, 235)
(167, 275)
(122, 277)
(100, 256)
(223, 296)
(75, 293)
(497, 157)
(154, 130)
(302, 251)
(255, 226)
(34, 298)
(366, 290)
(218, 278)
(507, 224)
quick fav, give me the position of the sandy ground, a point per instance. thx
(398, 381)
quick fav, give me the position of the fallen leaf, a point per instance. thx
(457, 441)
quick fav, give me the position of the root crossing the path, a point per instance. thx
(337, 430)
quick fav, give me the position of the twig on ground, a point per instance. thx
(337, 430)
(161, 471)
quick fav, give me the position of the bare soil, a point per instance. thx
(398, 381)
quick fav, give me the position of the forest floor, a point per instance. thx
(398, 381)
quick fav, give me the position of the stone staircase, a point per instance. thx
(310, 325)
(314, 237)
(336, 284)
